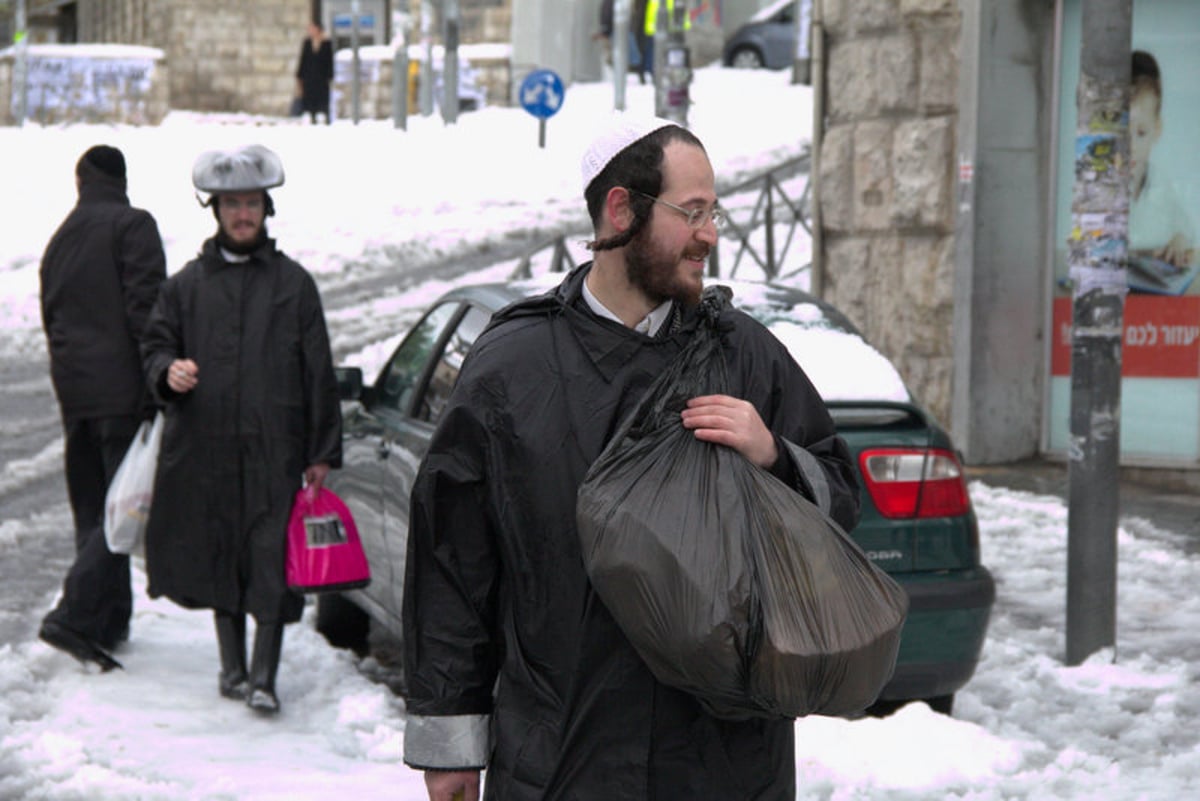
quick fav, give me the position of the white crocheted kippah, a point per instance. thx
(622, 130)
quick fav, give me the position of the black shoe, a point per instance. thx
(264, 663)
(232, 682)
(236, 687)
(117, 641)
(263, 701)
(78, 646)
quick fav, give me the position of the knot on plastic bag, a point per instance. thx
(714, 301)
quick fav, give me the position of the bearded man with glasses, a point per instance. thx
(237, 353)
(513, 663)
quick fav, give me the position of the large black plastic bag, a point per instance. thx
(731, 585)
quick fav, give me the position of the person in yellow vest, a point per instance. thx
(650, 26)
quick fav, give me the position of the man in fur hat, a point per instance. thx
(237, 352)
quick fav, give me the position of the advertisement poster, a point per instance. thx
(1160, 387)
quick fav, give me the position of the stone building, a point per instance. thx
(887, 182)
(224, 55)
(947, 161)
(231, 55)
(237, 56)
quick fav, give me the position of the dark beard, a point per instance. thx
(245, 248)
(654, 273)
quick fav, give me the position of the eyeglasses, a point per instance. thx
(696, 218)
(230, 203)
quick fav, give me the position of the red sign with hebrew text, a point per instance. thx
(1162, 337)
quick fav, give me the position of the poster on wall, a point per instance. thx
(1160, 386)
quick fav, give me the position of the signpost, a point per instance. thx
(542, 96)
(21, 43)
(355, 22)
(450, 61)
(400, 73)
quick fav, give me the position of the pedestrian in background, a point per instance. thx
(99, 277)
(513, 662)
(237, 351)
(635, 38)
(314, 72)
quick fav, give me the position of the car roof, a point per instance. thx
(839, 361)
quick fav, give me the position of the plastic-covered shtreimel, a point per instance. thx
(242, 169)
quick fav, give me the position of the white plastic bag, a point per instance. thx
(127, 505)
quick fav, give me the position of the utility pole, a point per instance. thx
(20, 73)
(425, 78)
(1097, 254)
(620, 51)
(450, 63)
(672, 62)
(356, 79)
(662, 22)
(400, 76)
(802, 63)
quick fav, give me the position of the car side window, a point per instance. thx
(398, 381)
(445, 372)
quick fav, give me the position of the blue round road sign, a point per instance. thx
(542, 93)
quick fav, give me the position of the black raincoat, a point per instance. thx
(99, 277)
(314, 70)
(235, 448)
(511, 658)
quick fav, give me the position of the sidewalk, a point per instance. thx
(1170, 499)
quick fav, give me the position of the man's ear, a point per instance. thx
(617, 209)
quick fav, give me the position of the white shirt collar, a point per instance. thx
(234, 258)
(649, 324)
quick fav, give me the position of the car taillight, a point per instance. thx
(914, 482)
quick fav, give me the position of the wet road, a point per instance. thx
(36, 537)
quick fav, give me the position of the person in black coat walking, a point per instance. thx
(100, 274)
(636, 38)
(512, 660)
(314, 73)
(237, 352)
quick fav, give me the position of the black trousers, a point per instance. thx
(97, 600)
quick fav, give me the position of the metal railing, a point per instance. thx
(773, 207)
(763, 213)
(561, 260)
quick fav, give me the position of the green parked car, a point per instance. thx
(917, 521)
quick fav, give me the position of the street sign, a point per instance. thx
(542, 93)
(343, 22)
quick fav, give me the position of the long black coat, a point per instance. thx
(235, 448)
(496, 588)
(100, 274)
(315, 70)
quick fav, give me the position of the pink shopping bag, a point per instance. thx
(324, 552)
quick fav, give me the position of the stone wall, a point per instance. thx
(886, 181)
(111, 84)
(225, 55)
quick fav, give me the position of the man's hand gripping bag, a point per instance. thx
(730, 584)
(324, 552)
